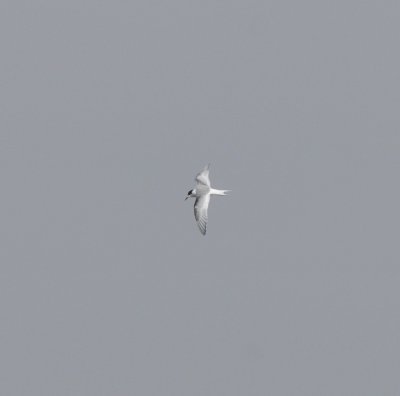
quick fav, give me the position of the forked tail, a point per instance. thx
(219, 192)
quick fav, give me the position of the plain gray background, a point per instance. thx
(110, 108)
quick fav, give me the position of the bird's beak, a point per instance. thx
(186, 197)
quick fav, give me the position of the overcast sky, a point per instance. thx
(108, 109)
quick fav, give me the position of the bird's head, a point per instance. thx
(190, 193)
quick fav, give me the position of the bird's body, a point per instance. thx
(202, 193)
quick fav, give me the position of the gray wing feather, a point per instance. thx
(203, 177)
(200, 212)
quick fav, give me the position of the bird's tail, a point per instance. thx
(219, 192)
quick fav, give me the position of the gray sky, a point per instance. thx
(110, 108)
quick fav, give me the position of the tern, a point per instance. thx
(202, 192)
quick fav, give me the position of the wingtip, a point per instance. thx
(203, 230)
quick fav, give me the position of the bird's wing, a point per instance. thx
(203, 177)
(200, 212)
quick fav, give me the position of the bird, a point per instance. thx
(202, 192)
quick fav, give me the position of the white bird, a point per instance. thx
(202, 193)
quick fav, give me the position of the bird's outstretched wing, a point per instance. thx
(203, 177)
(200, 212)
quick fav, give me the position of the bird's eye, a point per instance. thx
(190, 192)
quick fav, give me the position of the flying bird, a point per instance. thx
(202, 192)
